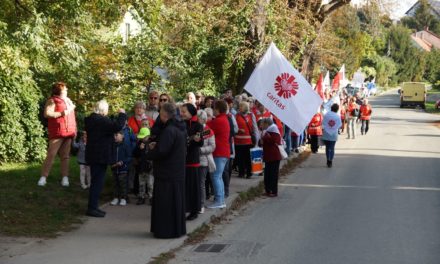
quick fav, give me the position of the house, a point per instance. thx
(130, 25)
(434, 5)
(426, 40)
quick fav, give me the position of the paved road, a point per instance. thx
(380, 203)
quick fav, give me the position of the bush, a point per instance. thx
(22, 137)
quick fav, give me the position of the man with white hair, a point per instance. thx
(100, 130)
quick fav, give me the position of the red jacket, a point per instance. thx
(365, 111)
(315, 126)
(244, 122)
(271, 151)
(221, 129)
(63, 126)
(266, 114)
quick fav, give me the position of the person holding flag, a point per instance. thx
(331, 124)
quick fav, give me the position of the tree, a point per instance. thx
(423, 18)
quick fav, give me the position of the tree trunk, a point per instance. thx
(255, 37)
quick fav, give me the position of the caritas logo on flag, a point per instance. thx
(283, 90)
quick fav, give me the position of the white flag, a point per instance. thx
(283, 90)
(327, 83)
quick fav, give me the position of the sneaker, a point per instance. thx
(65, 181)
(42, 181)
(83, 186)
(216, 205)
(114, 201)
(123, 202)
(202, 210)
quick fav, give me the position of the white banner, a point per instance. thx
(283, 90)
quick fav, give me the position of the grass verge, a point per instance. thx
(251, 194)
(32, 211)
(430, 108)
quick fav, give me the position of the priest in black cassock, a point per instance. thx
(168, 153)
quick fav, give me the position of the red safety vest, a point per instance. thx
(63, 126)
(315, 125)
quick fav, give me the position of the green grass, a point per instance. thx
(32, 211)
(430, 108)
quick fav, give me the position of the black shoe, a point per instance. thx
(94, 213)
(102, 212)
(140, 201)
(192, 216)
(330, 164)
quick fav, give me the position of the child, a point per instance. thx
(84, 169)
(144, 167)
(122, 159)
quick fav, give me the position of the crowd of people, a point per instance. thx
(179, 157)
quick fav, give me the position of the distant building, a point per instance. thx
(426, 40)
(130, 25)
(435, 8)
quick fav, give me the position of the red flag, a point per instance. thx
(320, 86)
(336, 81)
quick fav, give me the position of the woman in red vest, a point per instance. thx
(135, 122)
(315, 131)
(60, 114)
(365, 112)
(243, 139)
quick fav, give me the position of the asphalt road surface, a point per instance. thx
(380, 203)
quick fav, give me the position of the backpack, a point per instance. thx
(355, 112)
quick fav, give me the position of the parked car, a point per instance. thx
(350, 90)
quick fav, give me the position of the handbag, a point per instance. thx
(282, 152)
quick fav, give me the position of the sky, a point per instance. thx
(401, 6)
(397, 11)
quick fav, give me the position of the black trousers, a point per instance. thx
(365, 126)
(243, 156)
(314, 143)
(97, 173)
(271, 171)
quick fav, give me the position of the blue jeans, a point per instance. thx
(217, 180)
(97, 173)
(329, 149)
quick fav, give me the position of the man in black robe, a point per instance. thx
(168, 152)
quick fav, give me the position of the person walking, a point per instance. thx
(365, 113)
(331, 124)
(168, 153)
(100, 130)
(192, 177)
(270, 140)
(315, 131)
(352, 115)
(60, 114)
(222, 152)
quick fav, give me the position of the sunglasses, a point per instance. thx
(163, 100)
(155, 98)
